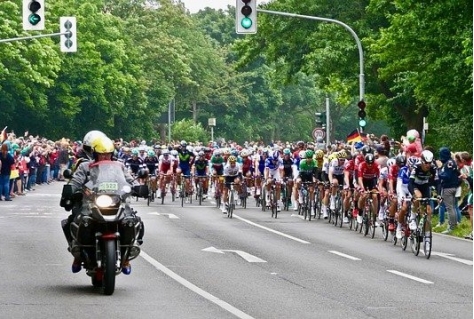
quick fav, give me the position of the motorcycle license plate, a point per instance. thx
(108, 186)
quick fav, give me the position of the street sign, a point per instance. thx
(318, 132)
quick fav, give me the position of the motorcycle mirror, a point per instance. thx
(126, 189)
(67, 174)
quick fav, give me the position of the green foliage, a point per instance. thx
(135, 56)
(188, 131)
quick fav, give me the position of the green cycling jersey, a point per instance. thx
(308, 166)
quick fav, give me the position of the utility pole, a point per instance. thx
(359, 44)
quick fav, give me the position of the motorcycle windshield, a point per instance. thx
(108, 177)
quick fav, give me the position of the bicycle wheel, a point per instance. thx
(365, 222)
(415, 240)
(148, 199)
(230, 206)
(404, 241)
(340, 210)
(163, 194)
(263, 200)
(310, 209)
(199, 193)
(317, 208)
(427, 238)
(385, 229)
(372, 223)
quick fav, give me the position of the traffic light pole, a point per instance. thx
(359, 45)
(34, 37)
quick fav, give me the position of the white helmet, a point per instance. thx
(391, 162)
(90, 136)
(426, 156)
(174, 152)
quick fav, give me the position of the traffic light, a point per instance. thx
(321, 119)
(33, 15)
(68, 41)
(362, 114)
(246, 16)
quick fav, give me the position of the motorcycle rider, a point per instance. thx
(102, 150)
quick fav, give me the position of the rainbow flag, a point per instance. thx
(354, 136)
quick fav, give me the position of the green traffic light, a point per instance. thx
(246, 23)
(34, 18)
(362, 123)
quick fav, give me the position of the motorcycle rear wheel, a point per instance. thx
(108, 264)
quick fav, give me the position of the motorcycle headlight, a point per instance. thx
(104, 201)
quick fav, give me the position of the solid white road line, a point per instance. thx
(224, 305)
(343, 255)
(271, 230)
(410, 277)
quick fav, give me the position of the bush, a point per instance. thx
(188, 131)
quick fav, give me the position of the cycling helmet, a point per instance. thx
(135, 152)
(391, 162)
(309, 154)
(232, 159)
(183, 143)
(366, 150)
(286, 151)
(201, 153)
(413, 161)
(275, 155)
(234, 153)
(142, 173)
(227, 152)
(400, 160)
(102, 145)
(319, 154)
(174, 152)
(369, 158)
(151, 153)
(165, 152)
(244, 153)
(302, 154)
(216, 153)
(426, 156)
(341, 155)
(198, 149)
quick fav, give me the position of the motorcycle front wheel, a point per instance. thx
(108, 264)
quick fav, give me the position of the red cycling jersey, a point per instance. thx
(366, 172)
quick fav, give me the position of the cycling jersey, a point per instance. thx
(217, 164)
(288, 167)
(151, 163)
(134, 164)
(200, 166)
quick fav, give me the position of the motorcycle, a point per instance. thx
(105, 232)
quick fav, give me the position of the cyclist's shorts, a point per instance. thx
(186, 170)
(228, 180)
(306, 177)
(201, 173)
(370, 184)
(340, 179)
(424, 190)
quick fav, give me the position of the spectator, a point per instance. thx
(7, 161)
(449, 176)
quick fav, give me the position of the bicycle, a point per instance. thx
(273, 200)
(285, 194)
(317, 208)
(217, 192)
(200, 188)
(151, 190)
(423, 232)
(244, 193)
(369, 216)
(337, 212)
(305, 207)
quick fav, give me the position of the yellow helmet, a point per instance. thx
(102, 144)
(341, 154)
(319, 154)
(232, 159)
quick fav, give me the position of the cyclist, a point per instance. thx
(272, 174)
(200, 170)
(186, 158)
(259, 163)
(217, 169)
(336, 178)
(401, 190)
(232, 174)
(288, 171)
(151, 163)
(350, 180)
(134, 163)
(307, 172)
(367, 175)
(422, 177)
(247, 169)
(165, 170)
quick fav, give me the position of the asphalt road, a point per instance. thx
(197, 263)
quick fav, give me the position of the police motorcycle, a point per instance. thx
(104, 232)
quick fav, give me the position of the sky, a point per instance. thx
(196, 5)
